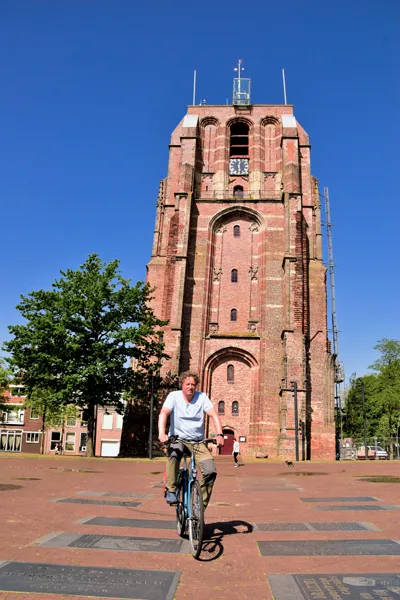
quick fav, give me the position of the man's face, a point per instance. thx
(189, 387)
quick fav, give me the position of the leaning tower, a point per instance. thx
(238, 274)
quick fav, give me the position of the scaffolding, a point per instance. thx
(338, 367)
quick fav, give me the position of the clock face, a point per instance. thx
(239, 166)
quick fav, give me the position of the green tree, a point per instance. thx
(5, 380)
(80, 335)
(390, 353)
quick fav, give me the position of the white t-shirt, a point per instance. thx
(187, 419)
(236, 447)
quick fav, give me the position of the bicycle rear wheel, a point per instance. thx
(180, 510)
(196, 521)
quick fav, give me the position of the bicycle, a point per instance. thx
(189, 507)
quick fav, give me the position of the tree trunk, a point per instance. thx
(43, 431)
(390, 437)
(91, 430)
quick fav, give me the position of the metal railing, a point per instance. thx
(238, 196)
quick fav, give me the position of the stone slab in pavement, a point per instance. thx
(352, 586)
(42, 578)
(330, 548)
(113, 542)
(124, 522)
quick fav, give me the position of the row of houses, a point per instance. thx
(21, 430)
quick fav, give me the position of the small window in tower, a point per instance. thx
(239, 143)
(233, 314)
(230, 374)
(236, 231)
(235, 408)
(221, 407)
(234, 276)
(238, 191)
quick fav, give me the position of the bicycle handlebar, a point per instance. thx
(173, 439)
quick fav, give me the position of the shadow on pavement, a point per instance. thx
(214, 534)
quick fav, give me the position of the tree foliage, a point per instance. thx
(382, 398)
(79, 336)
(5, 379)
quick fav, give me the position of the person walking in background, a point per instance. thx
(236, 452)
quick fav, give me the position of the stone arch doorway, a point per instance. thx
(230, 379)
(228, 441)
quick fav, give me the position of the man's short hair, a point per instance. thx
(187, 374)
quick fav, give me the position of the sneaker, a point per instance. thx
(170, 497)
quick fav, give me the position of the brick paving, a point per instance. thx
(231, 565)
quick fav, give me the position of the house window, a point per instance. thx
(32, 438)
(236, 231)
(221, 407)
(34, 413)
(120, 419)
(71, 421)
(235, 408)
(84, 417)
(234, 276)
(13, 417)
(107, 421)
(233, 314)
(55, 439)
(82, 442)
(70, 442)
(230, 375)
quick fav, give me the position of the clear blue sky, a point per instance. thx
(91, 91)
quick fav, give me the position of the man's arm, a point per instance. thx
(217, 425)
(162, 424)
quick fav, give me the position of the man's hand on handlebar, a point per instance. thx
(163, 437)
(220, 440)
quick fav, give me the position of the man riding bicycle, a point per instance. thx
(186, 409)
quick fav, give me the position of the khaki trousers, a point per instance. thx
(204, 461)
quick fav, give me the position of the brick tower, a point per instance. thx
(237, 267)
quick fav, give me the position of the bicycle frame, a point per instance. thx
(189, 475)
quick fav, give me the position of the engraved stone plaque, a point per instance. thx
(280, 527)
(357, 507)
(349, 586)
(102, 502)
(329, 526)
(139, 523)
(114, 494)
(330, 548)
(44, 578)
(113, 542)
(341, 499)
(335, 526)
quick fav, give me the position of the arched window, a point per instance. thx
(234, 276)
(221, 407)
(233, 314)
(236, 231)
(230, 374)
(235, 408)
(239, 143)
(238, 191)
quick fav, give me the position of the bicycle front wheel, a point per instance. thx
(196, 522)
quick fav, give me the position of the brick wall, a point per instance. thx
(280, 331)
